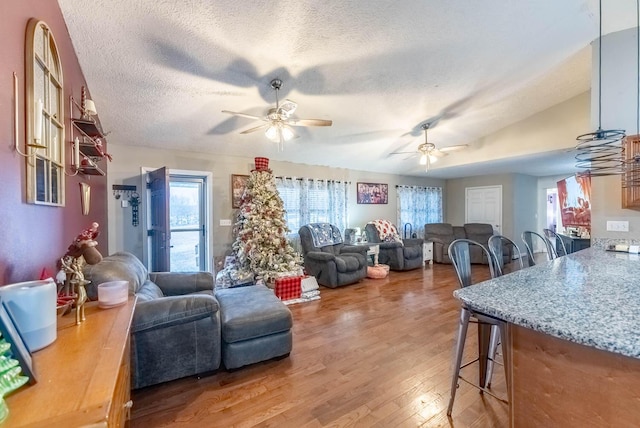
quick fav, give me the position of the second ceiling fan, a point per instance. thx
(428, 152)
(278, 119)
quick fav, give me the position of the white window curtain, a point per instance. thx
(418, 206)
(313, 201)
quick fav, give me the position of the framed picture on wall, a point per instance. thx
(238, 184)
(372, 193)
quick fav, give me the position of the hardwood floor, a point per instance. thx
(373, 354)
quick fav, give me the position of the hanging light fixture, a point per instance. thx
(427, 149)
(600, 152)
(278, 131)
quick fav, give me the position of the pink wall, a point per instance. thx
(33, 237)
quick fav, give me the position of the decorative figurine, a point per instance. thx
(81, 251)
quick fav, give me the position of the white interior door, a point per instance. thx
(484, 205)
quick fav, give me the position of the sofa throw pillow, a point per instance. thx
(387, 231)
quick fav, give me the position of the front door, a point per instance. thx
(159, 233)
(484, 205)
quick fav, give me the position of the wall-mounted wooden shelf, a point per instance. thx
(91, 170)
(88, 127)
(89, 133)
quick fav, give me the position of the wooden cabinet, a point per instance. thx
(83, 377)
(631, 177)
(572, 244)
(555, 382)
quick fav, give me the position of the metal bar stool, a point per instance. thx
(461, 260)
(559, 249)
(497, 244)
(527, 238)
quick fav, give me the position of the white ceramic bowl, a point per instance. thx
(113, 293)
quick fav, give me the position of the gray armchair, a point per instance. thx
(176, 323)
(328, 259)
(405, 255)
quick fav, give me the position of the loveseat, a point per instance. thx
(443, 234)
(181, 328)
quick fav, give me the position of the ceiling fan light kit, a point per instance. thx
(279, 121)
(278, 132)
(428, 152)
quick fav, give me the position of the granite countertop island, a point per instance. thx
(591, 297)
(572, 339)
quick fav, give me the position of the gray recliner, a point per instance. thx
(328, 259)
(405, 255)
(176, 323)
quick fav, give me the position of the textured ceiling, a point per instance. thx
(161, 71)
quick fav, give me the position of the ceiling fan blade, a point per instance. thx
(257, 128)
(309, 122)
(404, 153)
(248, 116)
(437, 153)
(454, 148)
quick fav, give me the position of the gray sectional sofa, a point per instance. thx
(443, 234)
(182, 328)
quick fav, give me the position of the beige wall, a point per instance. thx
(607, 205)
(128, 162)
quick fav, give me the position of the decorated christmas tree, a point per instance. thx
(261, 245)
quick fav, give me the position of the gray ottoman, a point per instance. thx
(256, 325)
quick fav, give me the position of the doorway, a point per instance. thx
(178, 219)
(484, 205)
(552, 210)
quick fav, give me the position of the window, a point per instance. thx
(313, 201)
(45, 117)
(187, 214)
(417, 206)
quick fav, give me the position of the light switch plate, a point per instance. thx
(617, 226)
(225, 222)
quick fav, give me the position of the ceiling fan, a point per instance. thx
(429, 153)
(278, 119)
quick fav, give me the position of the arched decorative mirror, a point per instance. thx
(44, 117)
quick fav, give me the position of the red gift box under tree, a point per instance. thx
(288, 288)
